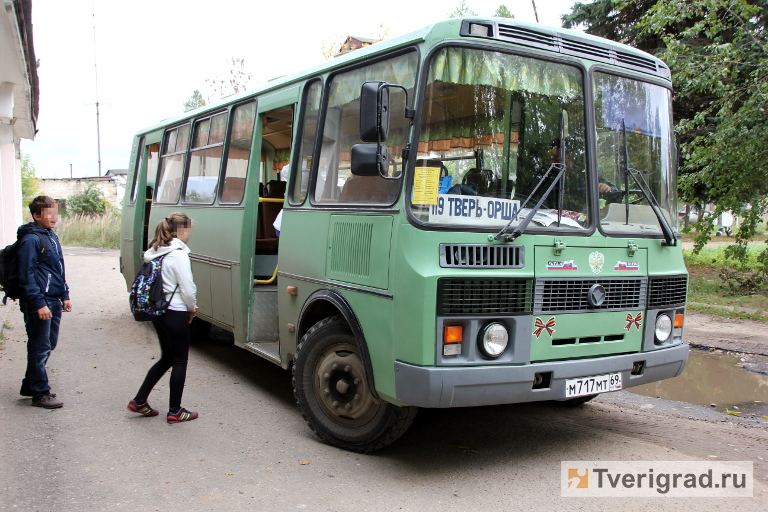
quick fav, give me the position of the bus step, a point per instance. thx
(268, 350)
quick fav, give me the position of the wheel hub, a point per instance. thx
(341, 387)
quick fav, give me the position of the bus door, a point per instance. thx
(276, 119)
(138, 204)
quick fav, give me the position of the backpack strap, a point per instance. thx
(177, 286)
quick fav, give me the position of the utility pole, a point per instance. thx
(535, 13)
(96, 74)
(70, 171)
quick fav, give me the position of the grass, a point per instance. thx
(707, 287)
(86, 231)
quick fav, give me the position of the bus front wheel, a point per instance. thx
(331, 389)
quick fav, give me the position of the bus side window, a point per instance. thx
(205, 159)
(342, 129)
(137, 170)
(172, 165)
(303, 162)
(238, 154)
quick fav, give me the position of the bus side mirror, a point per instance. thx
(374, 112)
(369, 160)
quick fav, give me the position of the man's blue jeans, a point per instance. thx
(42, 336)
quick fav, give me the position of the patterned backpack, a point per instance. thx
(147, 299)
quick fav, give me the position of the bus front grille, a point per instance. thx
(666, 292)
(572, 295)
(461, 296)
(481, 256)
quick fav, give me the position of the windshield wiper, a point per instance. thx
(559, 178)
(666, 229)
(520, 229)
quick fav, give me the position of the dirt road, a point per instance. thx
(250, 449)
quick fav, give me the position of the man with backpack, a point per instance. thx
(44, 294)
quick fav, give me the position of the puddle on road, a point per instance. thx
(712, 378)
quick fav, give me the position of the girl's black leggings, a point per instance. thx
(173, 332)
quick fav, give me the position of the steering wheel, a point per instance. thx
(618, 196)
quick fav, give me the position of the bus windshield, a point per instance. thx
(634, 148)
(493, 124)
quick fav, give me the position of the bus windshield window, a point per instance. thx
(634, 131)
(492, 126)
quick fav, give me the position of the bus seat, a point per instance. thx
(369, 189)
(266, 238)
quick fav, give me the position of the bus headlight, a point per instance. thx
(493, 339)
(663, 327)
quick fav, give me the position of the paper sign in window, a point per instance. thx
(425, 185)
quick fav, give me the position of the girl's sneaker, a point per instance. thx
(181, 415)
(144, 408)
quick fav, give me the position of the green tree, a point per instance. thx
(718, 50)
(503, 11)
(616, 20)
(462, 10)
(90, 201)
(194, 101)
(30, 183)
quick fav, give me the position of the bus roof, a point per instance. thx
(558, 40)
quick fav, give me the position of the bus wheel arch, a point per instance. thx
(333, 394)
(327, 303)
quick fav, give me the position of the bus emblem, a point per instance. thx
(596, 261)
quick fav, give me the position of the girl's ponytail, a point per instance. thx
(166, 229)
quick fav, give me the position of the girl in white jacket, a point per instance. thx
(171, 236)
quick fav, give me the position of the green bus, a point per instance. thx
(480, 212)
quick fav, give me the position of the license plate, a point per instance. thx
(592, 385)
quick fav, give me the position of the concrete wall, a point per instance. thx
(113, 189)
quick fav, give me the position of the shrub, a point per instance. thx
(88, 202)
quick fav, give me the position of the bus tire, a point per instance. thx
(332, 392)
(575, 402)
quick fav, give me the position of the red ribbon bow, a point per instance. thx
(540, 326)
(635, 320)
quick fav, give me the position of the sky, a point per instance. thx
(150, 56)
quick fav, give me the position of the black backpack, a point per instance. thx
(9, 267)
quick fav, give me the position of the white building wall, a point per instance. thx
(10, 192)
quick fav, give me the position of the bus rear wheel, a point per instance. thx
(331, 389)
